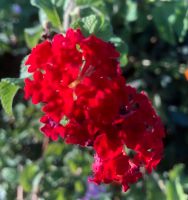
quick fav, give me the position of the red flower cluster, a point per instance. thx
(86, 101)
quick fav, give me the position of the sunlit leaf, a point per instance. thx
(32, 36)
(94, 24)
(7, 92)
(50, 10)
(54, 149)
(24, 69)
(27, 176)
(131, 10)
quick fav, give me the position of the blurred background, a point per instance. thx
(152, 36)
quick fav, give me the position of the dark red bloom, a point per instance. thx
(86, 101)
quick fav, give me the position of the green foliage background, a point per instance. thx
(152, 36)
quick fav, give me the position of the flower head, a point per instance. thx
(85, 101)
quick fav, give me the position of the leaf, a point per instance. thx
(7, 92)
(90, 23)
(27, 176)
(176, 171)
(54, 149)
(181, 22)
(43, 18)
(24, 69)
(96, 25)
(105, 30)
(15, 81)
(123, 60)
(58, 194)
(32, 35)
(153, 190)
(131, 11)
(163, 16)
(171, 19)
(36, 181)
(174, 188)
(78, 186)
(9, 174)
(50, 10)
(180, 191)
(98, 5)
(171, 193)
(122, 48)
(59, 3)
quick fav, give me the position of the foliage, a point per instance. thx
(152, 37)
(7, 93)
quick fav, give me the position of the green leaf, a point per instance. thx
(123, 60)
(163, 16)
(24, 69)
(96, 25)
(50, 9)
(90, 23)
(97, 5)
(171, 193)
(180, 191)
(15, 81)
(105, 30)
(131, 11)
(181, 21)
(54, 149)
(174, 188)
(58, 194)
(7, 92)
(9, 174)
(153, 190)
(32, 35)
(27, 176)
(176, 171)
(59, 3)
(78, 185)
(122, 48)
(36, 181)
(171, 20)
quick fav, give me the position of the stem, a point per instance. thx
(66, 17)
(19, 195)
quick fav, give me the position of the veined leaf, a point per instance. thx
(7, 92)
(90, 23)
(94, 24)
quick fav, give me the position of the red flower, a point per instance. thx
(86, 101)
